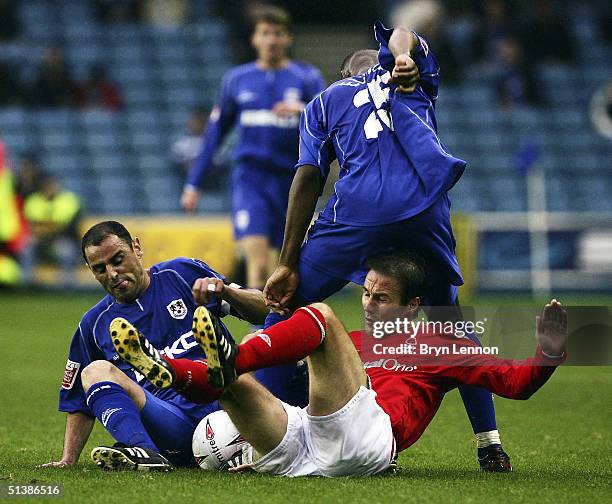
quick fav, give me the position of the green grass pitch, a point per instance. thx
(559, 441)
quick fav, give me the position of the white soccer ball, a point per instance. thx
(217, 445)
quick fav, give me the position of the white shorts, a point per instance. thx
(357, 440)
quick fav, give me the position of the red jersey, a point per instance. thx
(411, 393)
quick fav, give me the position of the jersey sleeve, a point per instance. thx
(192, 269)
(315, 142)
(429, 70)
(507, 378)
(222, 118)
(83, 350)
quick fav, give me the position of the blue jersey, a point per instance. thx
(392, 163)
(248, 94)
(163, 314)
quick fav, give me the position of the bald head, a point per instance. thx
(358, 62)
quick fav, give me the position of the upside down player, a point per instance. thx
(264, 99)
(379, 122)
(356, 420)
(161, 300)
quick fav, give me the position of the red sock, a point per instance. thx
(283, 343)
(192, 380)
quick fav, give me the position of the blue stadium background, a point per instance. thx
(119, 161)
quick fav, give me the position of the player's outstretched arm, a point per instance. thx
(517, 379)
(303, 197)
(248, 303)
(78, 429)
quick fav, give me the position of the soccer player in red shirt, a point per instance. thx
(358, 417)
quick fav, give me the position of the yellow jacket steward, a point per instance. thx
(61, 210)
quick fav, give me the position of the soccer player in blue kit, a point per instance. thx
(263, 99)
(153, 428)
(379, 122)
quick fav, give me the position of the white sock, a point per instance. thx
(484, 439)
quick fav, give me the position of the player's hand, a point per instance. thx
(286, 109)
(280, 288)
(57, 463)
(551, 329)
(405, 74)
(240, 468)
(190, 199)
(205, 289)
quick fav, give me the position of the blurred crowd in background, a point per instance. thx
(506, 38)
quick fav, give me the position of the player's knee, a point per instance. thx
(326, 311)
(97, 371)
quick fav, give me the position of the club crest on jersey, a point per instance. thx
(70, 374)
(292, 95)
(177, 309)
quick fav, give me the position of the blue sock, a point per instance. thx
(273, 318)
(118, 414)
(479, 406)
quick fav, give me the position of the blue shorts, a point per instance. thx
(259, 202)
(335, 254)
(171, 428)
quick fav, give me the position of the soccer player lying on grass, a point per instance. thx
(160, 300)
(357, 419)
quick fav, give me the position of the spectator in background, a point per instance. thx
(10, 27)
(54, 86)
(54, 217)
(187, 147)
(428, 18)
(515, 82)
(545, 33)
(98, 91)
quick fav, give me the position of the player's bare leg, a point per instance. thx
(256, 249)
(256, 413)
(335, 369)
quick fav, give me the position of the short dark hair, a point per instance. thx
(406, 268)
(97, 233)
(273, 15)
(358, 62)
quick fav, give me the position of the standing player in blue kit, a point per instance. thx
(263, 99)
(395, 173)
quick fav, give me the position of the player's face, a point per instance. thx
(271, 42)
(381, 295)
(118, 268)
